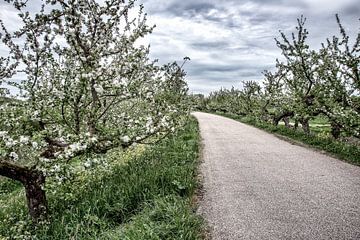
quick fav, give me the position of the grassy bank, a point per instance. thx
(341, 150)
(146, 194)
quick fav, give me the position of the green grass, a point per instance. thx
(167, 217)
(8, 186)
(148, 196)
(347, 152)
(318, 126)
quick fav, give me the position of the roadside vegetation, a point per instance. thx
(312, 95)
(145, 192)
(96, 140)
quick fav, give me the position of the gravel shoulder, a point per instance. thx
(257, 186)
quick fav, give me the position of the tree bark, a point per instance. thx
(33, 181)
(277, 119)
(305, 125)
(296, 124)
(287, 122)
(335, 130)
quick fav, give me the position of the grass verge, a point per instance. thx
(347, 152)
(147, 196)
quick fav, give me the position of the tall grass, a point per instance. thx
(145, 197)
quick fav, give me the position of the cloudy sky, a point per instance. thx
(233, 40)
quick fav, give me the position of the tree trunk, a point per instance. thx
(335, 130)
(35, 195)
(287, 122)
(296, 124)
(305, 125)
(277, 119)
(33, 181)
(275, 122)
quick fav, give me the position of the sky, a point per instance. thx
(229, 41)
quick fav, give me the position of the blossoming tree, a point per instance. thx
(89, 87)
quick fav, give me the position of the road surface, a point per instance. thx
(257, 186)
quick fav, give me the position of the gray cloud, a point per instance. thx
(189, 9)
(210, 45)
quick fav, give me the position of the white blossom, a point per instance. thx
(14, 156)
(24, 139)
(3, 134)
(125, 139)
(98, 88)
(10, 142)
(34, 145)
(87, 164)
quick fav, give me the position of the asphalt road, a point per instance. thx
(257, 186)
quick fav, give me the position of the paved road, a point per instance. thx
(257, 186)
